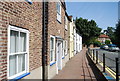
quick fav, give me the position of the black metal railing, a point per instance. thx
(112, 63)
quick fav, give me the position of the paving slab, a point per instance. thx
(77, 68)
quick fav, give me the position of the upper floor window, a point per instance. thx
(59, 11)
(17, 51)
(66, 23)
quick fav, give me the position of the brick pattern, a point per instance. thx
(24, 15)
(55, 28)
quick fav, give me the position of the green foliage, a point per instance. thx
(88, 29)
(117, 33)
(107, 42)
(97, 43)
(111, 33)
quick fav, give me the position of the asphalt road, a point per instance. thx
(109, 58)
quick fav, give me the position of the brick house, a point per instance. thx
(21, 39)
(58, 38)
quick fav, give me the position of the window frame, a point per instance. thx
(63, 49)
(51, 62)
(58, 4)
(66, 22)
(66, 47)
(14, 28)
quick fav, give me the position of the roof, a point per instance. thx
(70, 17)
(67, 16)
(103, 36)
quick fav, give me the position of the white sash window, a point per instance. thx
(59, 11)
(18, 46)
(52, 49)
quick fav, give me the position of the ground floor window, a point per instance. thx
(66, 47)
(18, 46)
(52, 49)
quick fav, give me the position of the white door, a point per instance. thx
(59, 56)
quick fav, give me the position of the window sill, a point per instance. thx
(52, 63)
(19, 77)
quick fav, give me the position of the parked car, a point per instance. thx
(104, 47)
(113, 47)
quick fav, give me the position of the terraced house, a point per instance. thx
(20, 40)
(33, 39)
(75, 40)
(58, 35)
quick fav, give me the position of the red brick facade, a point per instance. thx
(55, 27)
(26, 16)
(29, 17)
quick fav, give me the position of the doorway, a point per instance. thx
(59, 55)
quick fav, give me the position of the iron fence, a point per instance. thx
(108, 61)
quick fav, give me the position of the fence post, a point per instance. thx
(103, 62)
(96, 56)
(117, 69)
(93, 54)
(89, 51)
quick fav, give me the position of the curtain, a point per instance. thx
(22, 42)
(21, 63)
(12, 65)
(14, 39)
(17, 44)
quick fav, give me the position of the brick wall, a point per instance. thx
(55, 28)
(24, 15)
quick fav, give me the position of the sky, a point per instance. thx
(104, 13)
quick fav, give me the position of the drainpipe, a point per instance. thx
(44, 40)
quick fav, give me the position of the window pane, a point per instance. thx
(14, 41)
(51, 48)
(51, 55)
(52, 43)
(22, 42)
(58, 7)
(12, 65)
(21, 63)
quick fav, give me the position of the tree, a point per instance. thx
(111, 33)
(107, 42)
(88, 29)
(97, 43)
(117, 33)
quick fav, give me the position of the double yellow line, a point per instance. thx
(111, 72)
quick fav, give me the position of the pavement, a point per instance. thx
(79, 68)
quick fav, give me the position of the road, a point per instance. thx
(109, 58)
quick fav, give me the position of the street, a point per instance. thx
(109, 58)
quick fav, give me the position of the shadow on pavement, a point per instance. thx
(99, 76)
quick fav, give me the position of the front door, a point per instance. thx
(59, 55)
